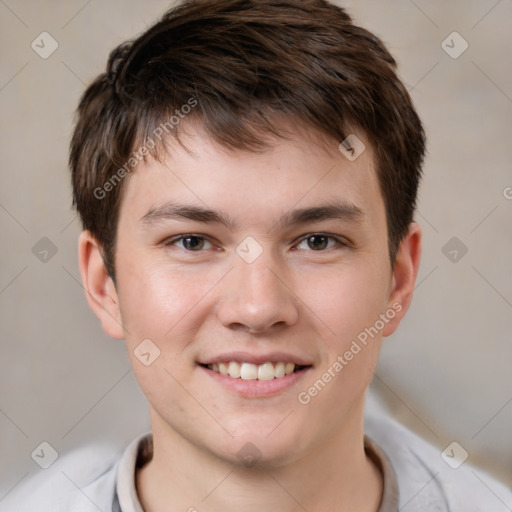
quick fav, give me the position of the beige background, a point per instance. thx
(446, 373)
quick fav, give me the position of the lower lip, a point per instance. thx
(256, 388)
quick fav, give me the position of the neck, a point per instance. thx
(335, 474)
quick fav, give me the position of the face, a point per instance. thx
(271, 267)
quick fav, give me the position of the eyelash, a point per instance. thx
(339, 243)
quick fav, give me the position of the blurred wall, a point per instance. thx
(445, 373)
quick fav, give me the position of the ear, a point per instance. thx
(404, 276)
(99, 288)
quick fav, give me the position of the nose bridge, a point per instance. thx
(255, 295)
(258, 281)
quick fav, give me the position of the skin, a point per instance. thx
(293, 298)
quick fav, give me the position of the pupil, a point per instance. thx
(192, 242)
(317, 242)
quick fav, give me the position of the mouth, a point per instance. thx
(252, 375)
(266, 371)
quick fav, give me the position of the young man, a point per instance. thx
(246, 174)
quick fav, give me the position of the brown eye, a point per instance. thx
(317, 242)
(191, 243)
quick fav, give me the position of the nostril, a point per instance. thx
(235, 326)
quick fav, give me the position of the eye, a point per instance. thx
(319, 242)
(191, 243)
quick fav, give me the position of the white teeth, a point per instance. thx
(234, 369)
(249, 371)
(266, 371)
(279, 370)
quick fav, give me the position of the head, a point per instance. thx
(234, 119)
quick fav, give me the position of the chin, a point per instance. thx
(263, 447)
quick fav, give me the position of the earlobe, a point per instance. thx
(404, 276)
(99, 288)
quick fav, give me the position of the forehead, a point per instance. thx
(253, 186)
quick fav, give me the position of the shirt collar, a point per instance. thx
(140, 451)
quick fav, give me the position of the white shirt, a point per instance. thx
(416, 478)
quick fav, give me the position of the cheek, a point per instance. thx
(345, 301)
(348, 315)
(157, 301)
(347, 305)
(161, 305)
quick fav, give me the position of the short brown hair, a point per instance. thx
(239, 66)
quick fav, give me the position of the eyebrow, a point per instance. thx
(170, 211)
(343, 211)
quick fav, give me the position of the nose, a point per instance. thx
(256, 297)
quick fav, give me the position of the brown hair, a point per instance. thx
(237, 66)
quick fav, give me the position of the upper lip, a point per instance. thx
(246, 357)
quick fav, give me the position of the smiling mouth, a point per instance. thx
(250, 371)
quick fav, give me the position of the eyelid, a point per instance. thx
(338, 239)
(178, 238)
